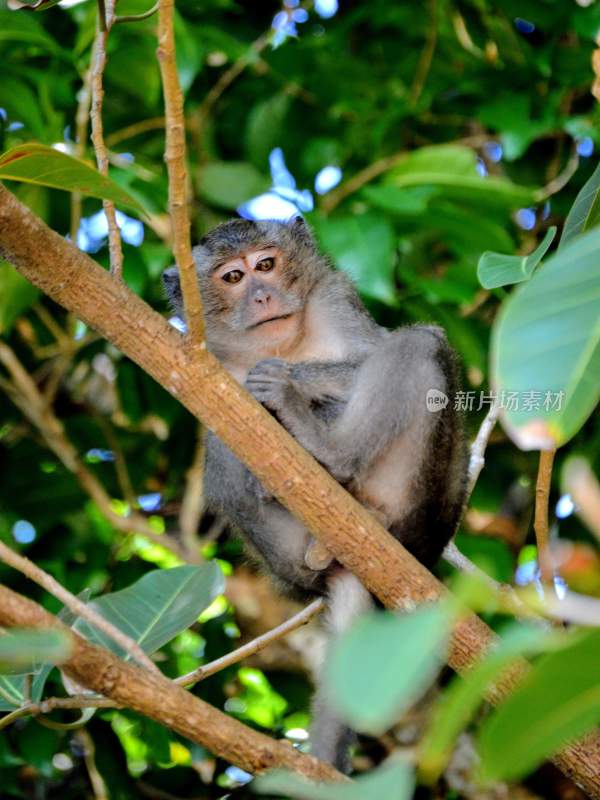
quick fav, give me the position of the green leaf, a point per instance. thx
(558, 700)
(265, 128)
(585, 211)
(22, 105)
(157, 607)
(547, 340)
(363, 246)
(36, 163)
(497, 269)
(21, 649)
(404, 202)
(393, 780)
(229, 184)
(453, 167)
(24, 28)
(454, 711)
(17, 295)
(384, 663)
(12, 691)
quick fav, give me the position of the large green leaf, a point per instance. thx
(498, 269)
(558, 700)
(393, 780)
(547, 340)
(46, 166)
(23, 648)
(228, 184)
(384, 663)
(363, 246)
(464, 695)
(453, 167)
(16, 295)
(585, 211)
(157, 607)
(20, 27)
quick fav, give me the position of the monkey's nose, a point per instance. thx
(262, 297)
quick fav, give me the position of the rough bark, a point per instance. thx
(199, 382)
(164, 701)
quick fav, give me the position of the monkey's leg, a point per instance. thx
(330, 736)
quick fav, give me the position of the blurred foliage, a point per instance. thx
(474, 124)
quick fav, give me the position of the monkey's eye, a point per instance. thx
(234, 276)
(265, 264)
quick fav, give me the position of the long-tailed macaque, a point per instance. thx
(368, 403)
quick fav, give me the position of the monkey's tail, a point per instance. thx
(330, 737)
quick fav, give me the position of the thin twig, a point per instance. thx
(477, 459)
(47, 582)
(26, 396)
(123, 477)
(356, 182)
(299, 619)
(192, 503)
(507, 593)
(175, 158)
(86, 743)
(82, 117)
(540, 523)
(377, 168)
(137, 17)
(78, 702)
(135, 129)
(426, 57)
(228, 77)
(556, 184)
(98, 65)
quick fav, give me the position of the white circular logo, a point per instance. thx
(436, 400)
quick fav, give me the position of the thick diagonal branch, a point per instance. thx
(162, 700)
(199, 382)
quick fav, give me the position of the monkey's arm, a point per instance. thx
(306, 397)
(381, 399)
(227, 482)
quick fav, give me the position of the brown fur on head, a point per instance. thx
(255, 278)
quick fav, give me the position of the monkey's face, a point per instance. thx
(255, 295)
(256, 279)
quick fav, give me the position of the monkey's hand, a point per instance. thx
(270, 382)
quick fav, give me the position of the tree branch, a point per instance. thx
(98, 65)
(175, 158)
(540, 523)
(478, 447)
(199, 382)
(158, 698)
(47, 582)
(250, 648)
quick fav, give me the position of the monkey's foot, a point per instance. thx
(317, 556)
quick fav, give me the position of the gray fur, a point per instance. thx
(361, 412)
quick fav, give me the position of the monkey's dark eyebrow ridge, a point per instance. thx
(240, 254)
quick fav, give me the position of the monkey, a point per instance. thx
(293, 331)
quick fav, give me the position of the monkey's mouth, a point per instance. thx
(268, 319)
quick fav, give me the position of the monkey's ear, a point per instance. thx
(300, 230)
(172, 287)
